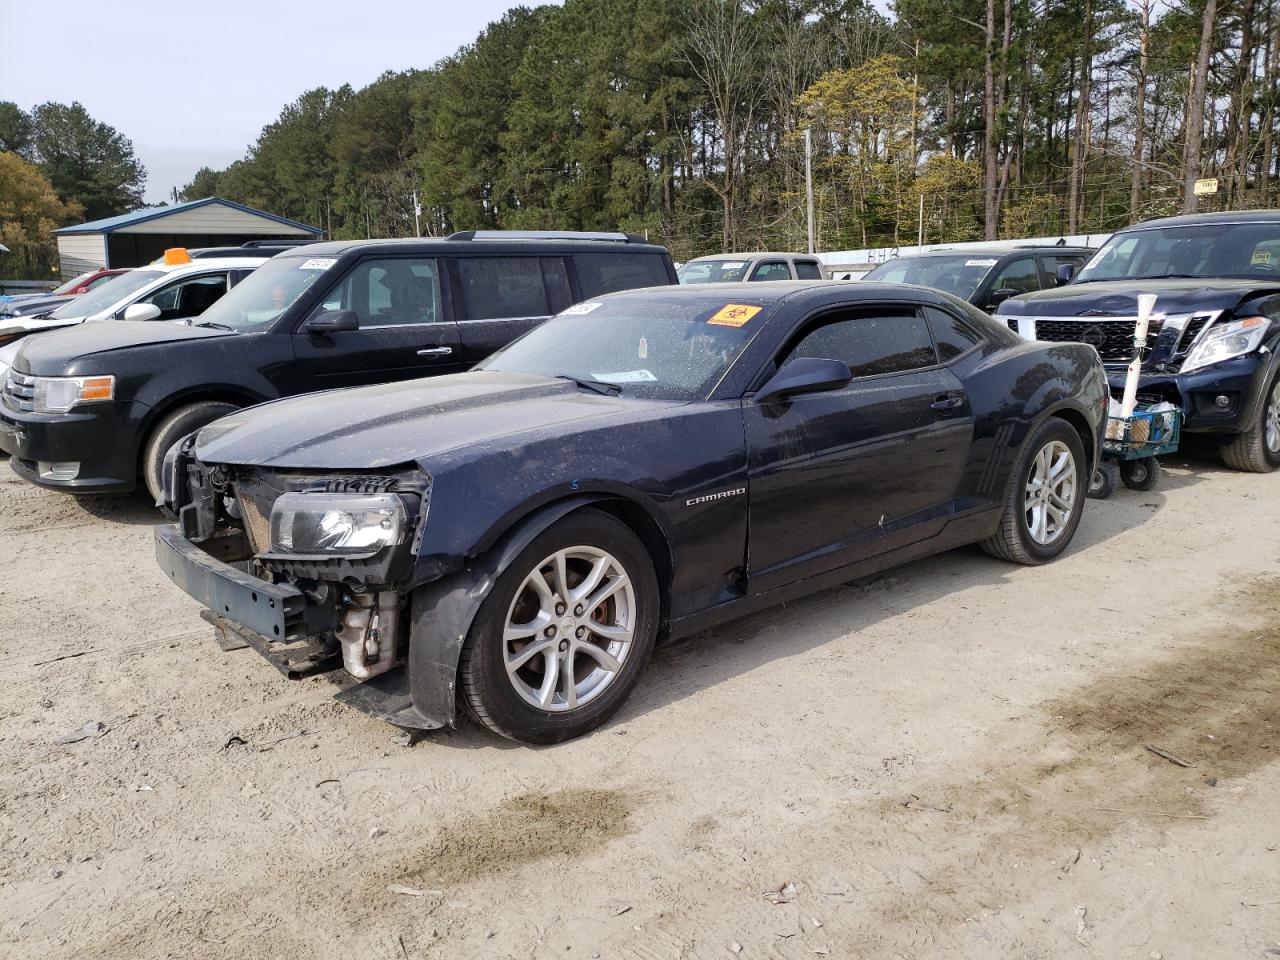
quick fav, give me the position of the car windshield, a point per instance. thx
(713, 271)
(1205, 250)
(106, 296)
(69, 285)
(959, 274)
(260, 298)
(652, 347)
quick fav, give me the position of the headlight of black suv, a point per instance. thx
(336, 524)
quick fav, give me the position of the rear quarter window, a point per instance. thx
(808, 270)
(602, 273)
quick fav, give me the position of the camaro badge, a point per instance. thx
(714, 496)
(733, 315)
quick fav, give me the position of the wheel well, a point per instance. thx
(177, 403)
(639, 521)
(1081, 426)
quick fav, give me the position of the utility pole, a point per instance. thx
(920, 227)
(808, 183)
(417, 215)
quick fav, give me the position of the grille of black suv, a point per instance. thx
(1190, 332)
(19, 391)
(1113, 339)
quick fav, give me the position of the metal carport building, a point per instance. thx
(133, 239)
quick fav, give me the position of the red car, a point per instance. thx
(86, 282)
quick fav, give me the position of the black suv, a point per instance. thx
(985, 276)
(1213, 336)
(89, 410)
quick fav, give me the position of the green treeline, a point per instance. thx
(684, 119)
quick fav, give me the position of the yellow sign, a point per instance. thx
(734, 315)
(1260, 256)
(1205, 187)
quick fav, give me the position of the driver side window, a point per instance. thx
(390, 292)
(871, 342)
(188, 298)
(1020, 275)
(773, 270)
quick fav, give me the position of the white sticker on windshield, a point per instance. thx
(980, 263)
(626, 376)
(1094, 260)
(318, 263)
(733, 264)
(579, 308)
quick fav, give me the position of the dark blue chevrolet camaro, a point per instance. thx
(642, 466)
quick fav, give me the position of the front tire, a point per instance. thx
(170, 430)
(1045, 497)
(561, 639)
(1257, 450)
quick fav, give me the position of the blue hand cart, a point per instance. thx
(1131, 446)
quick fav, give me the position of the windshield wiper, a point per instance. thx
(1167, 276)
(597, 386)
(215, 325)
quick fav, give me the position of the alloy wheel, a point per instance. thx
(1271, 419)
(569, 628)
(1050, 495)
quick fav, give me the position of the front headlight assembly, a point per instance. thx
(60, 394)
(1226, 340)
(322, 525)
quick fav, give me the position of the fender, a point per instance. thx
(1261, 381)
(442, 614)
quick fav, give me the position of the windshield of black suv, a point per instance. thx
(260, 298)
(649, 347)
(1244, 250)
(106, 296)
(729, 270)
(955, 273)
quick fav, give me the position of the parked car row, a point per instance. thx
(495, 470)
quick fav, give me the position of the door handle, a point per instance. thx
(946, 404)
(435, 352)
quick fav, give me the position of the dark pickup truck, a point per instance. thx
(1214, 333)
(91, 410)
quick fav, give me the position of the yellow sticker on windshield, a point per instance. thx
(1260, 256)
(733, 315)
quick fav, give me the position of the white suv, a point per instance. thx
(158, 291)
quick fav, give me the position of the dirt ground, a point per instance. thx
(947, 761)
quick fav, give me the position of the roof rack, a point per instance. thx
(547, 235)
(280, 242)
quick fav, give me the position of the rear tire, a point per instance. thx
(1105, 480)
(1257, 450)
(170, 430)
(533, 667)
(1047, 488)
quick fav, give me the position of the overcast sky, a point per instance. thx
(192, 83)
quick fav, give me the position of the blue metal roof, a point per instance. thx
(111, 224)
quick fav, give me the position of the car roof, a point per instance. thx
(210, 263)
(792, 291)
(998, 250)
(437, 245)
(1207, 219)
(754, 254)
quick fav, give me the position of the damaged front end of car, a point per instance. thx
(314, 569)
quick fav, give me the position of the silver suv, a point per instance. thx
(734, 268)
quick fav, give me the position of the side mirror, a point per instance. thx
(142, 311)
(332, 321)
(805, 375)
(997, 297)
(1066, 273)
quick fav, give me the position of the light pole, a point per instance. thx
(808, 183)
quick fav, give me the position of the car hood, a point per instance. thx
(48, 353)
(1119, 298)
(30, 306)
(405, 422)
